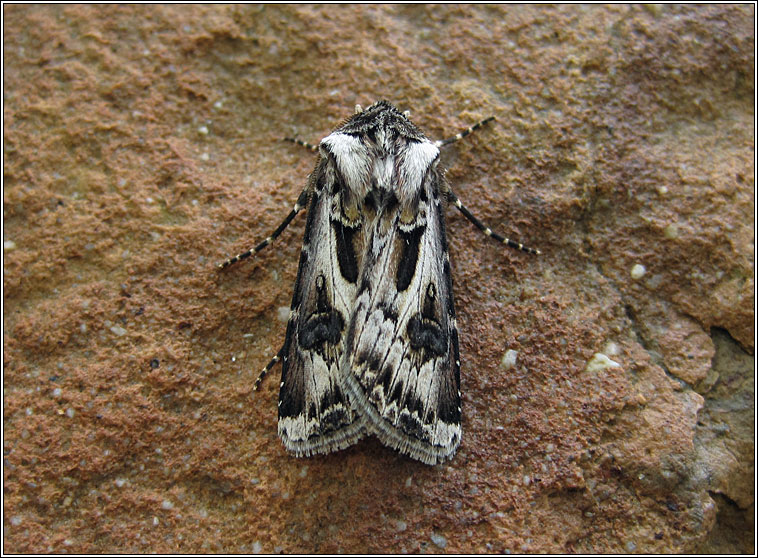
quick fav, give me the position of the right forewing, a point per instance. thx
(401, 366)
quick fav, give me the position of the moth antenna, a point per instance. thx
(486, 230)
(266, 370)
(302, 143)
(301, 202)
(464, 133)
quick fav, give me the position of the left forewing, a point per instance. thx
(401, 366)
(315, 415)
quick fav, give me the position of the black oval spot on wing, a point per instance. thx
(406, 266)
(385, 379)
(320, 329)
(296, 295)
(325, 324)
(397, 391)
(346, 250)
(425, 334)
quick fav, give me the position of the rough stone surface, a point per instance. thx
(139, 150)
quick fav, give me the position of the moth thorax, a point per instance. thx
(384, 171)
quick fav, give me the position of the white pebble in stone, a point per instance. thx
(509, 359)
(599, 362)
(438, 540)
(638, 270)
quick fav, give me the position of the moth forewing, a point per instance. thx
(314, 413)
(372, 344)
(401, 365)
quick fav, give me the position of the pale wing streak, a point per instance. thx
(319, 372)
(427, 269)
(428, 240)
(402, 321)
(321, 368)
(342, 296)
(342, 302)
(410, 294)
(429, 235)
(409, 303)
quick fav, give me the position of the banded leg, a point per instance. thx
(486, 230)
(464, 133)
(299, 205)
(265, 371)
(302, 143)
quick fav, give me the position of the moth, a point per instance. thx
(372, 343)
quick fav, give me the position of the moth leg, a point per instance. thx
(302, 143)
(485, 229)
(265, 371)
(299, 206)
(464, 133)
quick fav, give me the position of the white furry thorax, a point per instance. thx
(388, 162)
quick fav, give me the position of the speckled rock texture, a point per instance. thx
(140, 149)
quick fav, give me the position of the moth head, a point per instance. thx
(382, 115)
